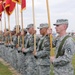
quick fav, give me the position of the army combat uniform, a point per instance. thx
(43, 53)
(30, 63)
(63, 63)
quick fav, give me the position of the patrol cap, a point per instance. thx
(16, 26)
(43, 25)
(25, 30)
(61, 21)
(29, 26)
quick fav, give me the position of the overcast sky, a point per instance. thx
(59, 9)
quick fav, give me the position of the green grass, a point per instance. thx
(4, 70)
(73, 62)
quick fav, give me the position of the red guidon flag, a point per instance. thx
(1, 6)
(23, 5)
(9, 6)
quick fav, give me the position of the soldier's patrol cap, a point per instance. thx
(43, 25)
(61, 22)
(29, 26)
(16, 27)
(25, 30)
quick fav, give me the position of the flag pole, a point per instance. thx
(22, 19)
(1, 29)
(8, 22)
(4, 19)
(16, 20)
(51, 52)
(17, 26)
(9, 28)
(34, 25)
(22, 25)
(18, 17)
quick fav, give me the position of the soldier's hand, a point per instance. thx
(52, 58)
(34, 52)
(23, 49)
(22, 33)
(17, 46)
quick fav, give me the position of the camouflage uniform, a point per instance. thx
(14, 40)
(42, 55)
(30, 62)
(25, 38)
(7, 38)
(63, 63)
(0, 37)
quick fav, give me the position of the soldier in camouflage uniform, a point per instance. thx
(7, 37)
(30, 64)
(21, 55)
(14, 38)
(43, 52)
(62, 61)
(1, 36)
(24, 35)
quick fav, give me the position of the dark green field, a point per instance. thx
(4, 70)
(73, 62)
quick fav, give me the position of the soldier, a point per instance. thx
(7, 37)
(15, 48)
(30, 63)
(1, 37)
(20, 55)
(43, 52)
(64, 51)
(24, 33)
(14, 38)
